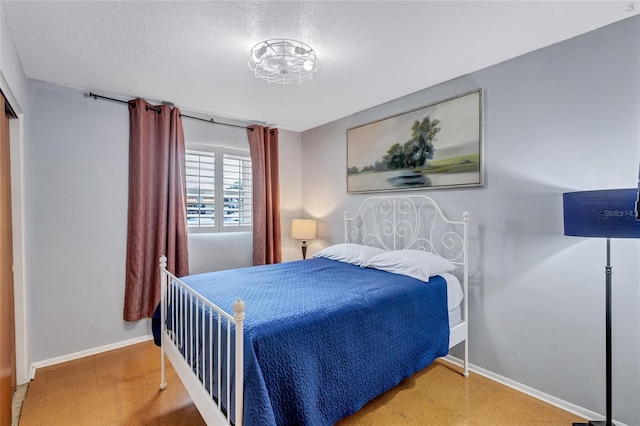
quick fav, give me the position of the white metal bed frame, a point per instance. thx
(392, 223)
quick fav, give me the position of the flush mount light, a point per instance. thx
(283, 61)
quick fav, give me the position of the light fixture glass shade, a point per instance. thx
(606, 214)
(303, 229)
(283, 61)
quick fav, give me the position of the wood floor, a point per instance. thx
(120, 387)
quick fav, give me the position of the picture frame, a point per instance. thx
(436, 146)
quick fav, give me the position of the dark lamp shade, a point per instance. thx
(606, 214)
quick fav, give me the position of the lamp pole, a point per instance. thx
(608, 273)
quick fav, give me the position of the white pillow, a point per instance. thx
(349, 253)
(417, 264)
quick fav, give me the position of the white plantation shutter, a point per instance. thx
(227, 174)
(200, 173)
(236, 171)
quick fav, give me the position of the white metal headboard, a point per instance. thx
(408, 222)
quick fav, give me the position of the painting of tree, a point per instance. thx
(439, 145)
(416, 151)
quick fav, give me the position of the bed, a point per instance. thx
(311, 341)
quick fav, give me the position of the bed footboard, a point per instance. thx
(206, 348)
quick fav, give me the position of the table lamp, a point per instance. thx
(303, 229)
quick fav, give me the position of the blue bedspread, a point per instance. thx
(323, 337)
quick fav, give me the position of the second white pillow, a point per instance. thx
(417, 264)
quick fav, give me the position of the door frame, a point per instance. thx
(17, 144)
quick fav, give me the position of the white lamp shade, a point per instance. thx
(303, 229)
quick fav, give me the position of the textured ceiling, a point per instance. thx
(194, 54)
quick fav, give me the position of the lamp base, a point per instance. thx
(595, 423)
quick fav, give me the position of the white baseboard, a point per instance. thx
(87, 352)
(549, 399)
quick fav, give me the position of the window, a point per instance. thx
(218, 190)
(201, 183)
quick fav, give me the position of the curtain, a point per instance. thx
(263, 144)
(157, 223)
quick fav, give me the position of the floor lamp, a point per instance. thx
(602, 214)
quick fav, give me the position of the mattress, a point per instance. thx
(454, 299)
(455, 316)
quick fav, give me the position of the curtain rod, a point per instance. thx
(96, 97)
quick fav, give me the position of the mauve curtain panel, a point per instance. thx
(267, 244)
(157, 223)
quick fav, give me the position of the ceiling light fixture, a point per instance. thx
(283, 61)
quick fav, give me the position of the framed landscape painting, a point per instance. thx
(435, 146)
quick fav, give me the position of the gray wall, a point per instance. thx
(76, 197)
(563, 118)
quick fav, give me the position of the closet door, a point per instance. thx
(7, 327)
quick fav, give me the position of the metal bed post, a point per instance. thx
(238, 308)
(163, 307)
(465, 278)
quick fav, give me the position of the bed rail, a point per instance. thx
(205, 345)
